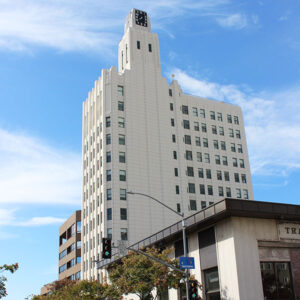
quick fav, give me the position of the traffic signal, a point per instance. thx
(193, 289)
(106, 248)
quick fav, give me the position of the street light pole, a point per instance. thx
(183, 234)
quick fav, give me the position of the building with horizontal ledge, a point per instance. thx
(142, 134)
(243, 250)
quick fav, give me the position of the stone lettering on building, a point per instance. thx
(289, 231)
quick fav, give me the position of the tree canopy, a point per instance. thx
(11, 268)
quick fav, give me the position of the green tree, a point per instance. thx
(11, 268)
(137, 274)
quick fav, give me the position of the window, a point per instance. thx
(197, 141)
(174, 154)
(122, 194)
(234, 162)
(173, 138)
(190, 171)
(107, 122)
(196, 126)
(120, 106)
(108, 194)
(226, 176)
(277, 280)
(202, 113)
(212, 115)
(221, 130)
(109, 233)
(243, 178)
(219, 175)
(223, 145)
(245, 194)
(185, 110)
(187, 139)
(178, 207)
(124, 234)
(193, 205)
(228, 192)
(195, 111)
(238, 134)
(150, 47)
(108, 175)
(78, 226)
(229, 119)
(203, 127)
(109, 214)
(123, 213)
(210, 190)
(217, 159)
(208, 173)
(203, 204)
(242, 163)
(188, 155)
(238, 193)
(200, 173)
(236, 177)
(205, 142)
(172, 122)
(214, 129)
(121, 139)
(121, 122)
(122, 175)
(202, 189)
(138, 44)
(191, 188)
(232, 145)
(221, 191)
(108, 156)
(171, 106)
(121, 90)
(122, 157)
(206, 158)
(199, 156)
(212, 286)
(216, 144)
(219, 116)
(177, 189)
(239, 148)
(176, 172)
(108, 139)
(230, 130)
(186, 124)
(170, 92)
(236, 120)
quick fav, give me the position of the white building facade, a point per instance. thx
(141, 134)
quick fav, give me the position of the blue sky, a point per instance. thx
(51, 52)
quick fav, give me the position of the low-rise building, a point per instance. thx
(69, 265)
(243, 250)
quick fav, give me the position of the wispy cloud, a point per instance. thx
(272, 121)
(91, 25)
(33, 172)
(236, 21)
(8, 218)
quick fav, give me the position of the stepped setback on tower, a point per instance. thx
(144, 135)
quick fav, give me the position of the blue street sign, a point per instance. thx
(187, 262)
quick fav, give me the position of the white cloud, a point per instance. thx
(91, 25)
(33, 172)
(272, 122)
(8, 218)
(236, 21)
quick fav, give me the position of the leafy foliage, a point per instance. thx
(11, 268)
(140, 275)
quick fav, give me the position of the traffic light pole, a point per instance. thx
(183, 235)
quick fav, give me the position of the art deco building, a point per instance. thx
(143, 134)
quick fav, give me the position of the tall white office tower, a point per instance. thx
(144, 135)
